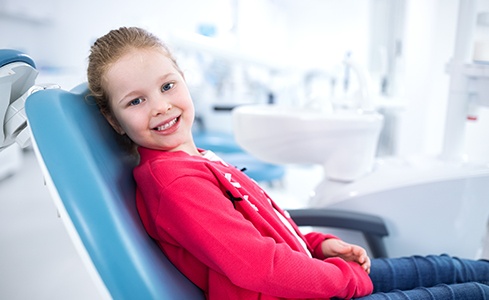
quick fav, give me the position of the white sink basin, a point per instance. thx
(344, 142)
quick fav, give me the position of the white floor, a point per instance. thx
(37, 259)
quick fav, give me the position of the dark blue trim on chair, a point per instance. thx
(372, 227)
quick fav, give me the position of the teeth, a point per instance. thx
(167, 125)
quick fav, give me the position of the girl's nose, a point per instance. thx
(160, 105)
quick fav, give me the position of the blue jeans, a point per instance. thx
(431, 277)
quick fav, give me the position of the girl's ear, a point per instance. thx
(114, 123)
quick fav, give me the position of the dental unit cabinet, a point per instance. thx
(17, 75)
(17, 82)
(431, 204)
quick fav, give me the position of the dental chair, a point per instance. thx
(89, 176)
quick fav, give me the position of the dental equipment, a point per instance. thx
(17, 82)
(341, 137)
(431, 205)
(17, 77)
(363, 97)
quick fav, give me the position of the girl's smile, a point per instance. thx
(168, 127)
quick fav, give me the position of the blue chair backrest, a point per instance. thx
(93, 178)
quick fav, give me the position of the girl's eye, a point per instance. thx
(136, 101)
(167, 86)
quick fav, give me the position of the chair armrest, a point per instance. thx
(372, 227)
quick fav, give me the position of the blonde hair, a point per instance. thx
(107, 50)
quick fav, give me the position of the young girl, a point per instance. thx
(216, 225)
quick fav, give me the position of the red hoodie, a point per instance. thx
(221, 230)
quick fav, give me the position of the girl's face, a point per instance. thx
(150, 101)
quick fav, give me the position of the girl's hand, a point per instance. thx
(346, 251)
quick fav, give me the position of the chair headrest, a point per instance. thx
(8, 56)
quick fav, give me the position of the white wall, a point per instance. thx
(59, 36)
(322, 31)
(428, 45)
(61, 32)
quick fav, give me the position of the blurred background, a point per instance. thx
(259, 47)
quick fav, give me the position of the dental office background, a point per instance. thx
(283, 51)
(262, 49)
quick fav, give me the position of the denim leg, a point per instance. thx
(461, 291)
(408, 273)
